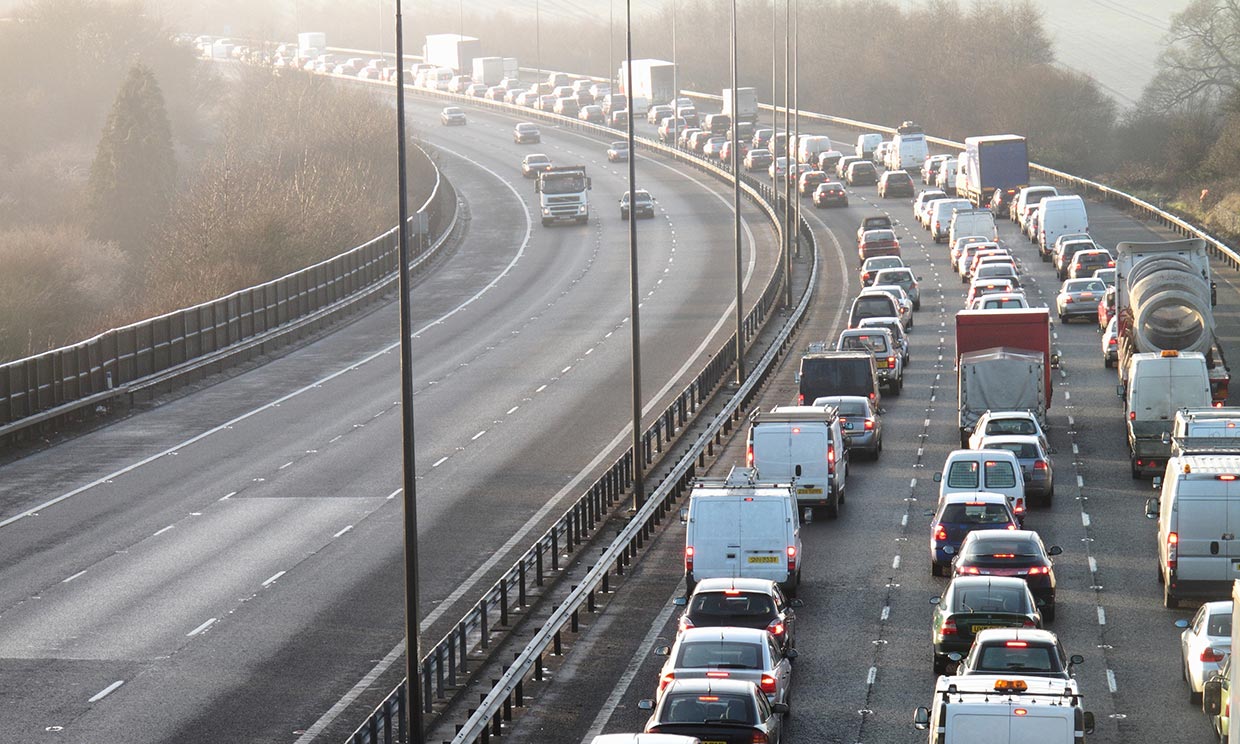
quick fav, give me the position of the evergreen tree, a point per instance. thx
(134, 173)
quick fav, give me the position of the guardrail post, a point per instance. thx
(401, 714)
(538, 562)
(426, 687)
(464, 645)
(559, 643)
(607, 582)
(520, 692)
(538, 668)
(503, 603)
(576, 622)
(482, 623)
(451, 662)
(521, 582)
(439, 671)
(555, 551)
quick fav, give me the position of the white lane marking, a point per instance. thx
(200, 628)
(904, 521)
(541, 388)
(512, 410)
(630, 672)
(317, 383)
(1071, 421)
(926, 424)
(74, 576)
(1067, 395)
(228, 496)
(1080, 481)
(1084, 519)
(468, 585)
(274, 576)
(886, 613)
(1102, 616)
(335, 439)
(589, 351)
(1076, 450)
(871, 676)
(106, 691)
(393, 494)
(895, 562)
(162, 531)
(475, 437)
(1111, 681)
(440, 461)
(566, 369)
(285, 465)
(341, 532)
(1093, 565)
(912, 483)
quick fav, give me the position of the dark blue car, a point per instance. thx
(958, 515)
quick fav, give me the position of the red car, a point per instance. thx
(877, 243)
(1106, 309)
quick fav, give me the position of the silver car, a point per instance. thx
(861, 425)
(1035, 463)
(1204, 644)
(906, 279)
(743, 654)
(897, 293)
(896, 327)
(1079, 298)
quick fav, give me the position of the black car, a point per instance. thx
(725, 711)
(972, 604)
(741, 603)
(830, 194)
(824, 374)
(1011, 553)
(895, 183)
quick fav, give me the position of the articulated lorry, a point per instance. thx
(453, 51)
(990, 163)
(1003, 363)
(1164, 299)
(563, 194)
(653, 83)
(311, 44)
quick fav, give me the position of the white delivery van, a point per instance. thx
(804, 445)
(971, 222)
(1029, 195)
(940, 220)
(991, 709)
(867, 144)
(1211, 423)
(809, 145)
(1158, 385)
(1198, 513)
(1060, 215)
(993, 470)
(946, 177)
(908, 148)
(742, 527)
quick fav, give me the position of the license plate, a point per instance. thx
(714, 741)
(764, 559)
(980, 628)
(848, 426)
(810, 491)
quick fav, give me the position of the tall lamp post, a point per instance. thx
(413, 688)
(796, 105)
(639, 453)
(736, 205)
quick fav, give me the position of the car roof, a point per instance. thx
(833, 399)
(1009, 414)
(880, 320)
(743, 584)
(723, 633)
(962, 497)
(993, 535)
(975, 581)
(886, 269)
(710, 685)
(1033, 635)
(864, 332)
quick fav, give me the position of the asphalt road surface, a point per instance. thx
(227, 566)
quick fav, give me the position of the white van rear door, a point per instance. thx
(808, 448)
(716, 537)
(972, 724)
(1041, 724)
(1202, 509)
(765, 535)
(772, 452)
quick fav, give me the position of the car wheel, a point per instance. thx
(935, 570)
(1170, 601)
(1048, 613)
(1106, 361)
(917, 305)
(1048, 498)
(1194, 697)
(940, 664)
(910, 324)
(1062, 319)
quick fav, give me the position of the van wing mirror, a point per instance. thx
(1088, 722)
(938, 477)
(1212, 697)
(1151, 508)
(921, 718)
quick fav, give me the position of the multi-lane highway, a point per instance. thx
(864, 633)
(227, 566)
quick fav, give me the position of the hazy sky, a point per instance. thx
(1115, 41)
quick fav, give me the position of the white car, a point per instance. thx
(1001, 423)
(1000, 301)
(1110, 344)
(1204, 644)
(748, 654)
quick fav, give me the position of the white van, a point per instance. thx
(1005, 709)
(809, 145)
(1058, 215)
(1198, 513)
(993, 470)
(946, 178)
(742, 527)
(1207, 423)
(804, 445)
(867, 144)
(971, 222)
(940, 220)
(908, 148)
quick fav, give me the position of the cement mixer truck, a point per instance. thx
(1169, 357)
(1164, 299)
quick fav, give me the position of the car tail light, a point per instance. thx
(776, 628)
(1039, 570)
(759, 738)
(749, 456)
(971, 570)
(869, 424)
(1067, 300)
(1173, 550)
(1113, 342)
(800, 399)
(940, 533)
(1016, 644)
(653, 730)
(688, 557)
(768, 684)
(1110, 264)
(1212, 655)
(891, 361)
(685, 622)
(831, 457)
(1020, 507)
(792, 559)
(949, 627)
(1028, 624)
(1039, 465)
(666, 680)
(871, 396)
(1132, 416)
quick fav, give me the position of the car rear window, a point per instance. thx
(836, 376)
(851, 409)
(1011, 426)
(872, 306)
(869, 342)
(963, 475)
(1023, 659)
(1219, 625)
(1000, 474)
(1022, 450)
(975, 514)
(732, 605)
(720, 654)
(698, 708)
(989, 599)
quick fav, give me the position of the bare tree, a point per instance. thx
(1201, 64)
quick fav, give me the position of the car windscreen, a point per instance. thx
(978, 513)
(718, 654)
(990, 599)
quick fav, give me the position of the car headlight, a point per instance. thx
(546, 211)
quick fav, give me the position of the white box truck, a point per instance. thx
(488, 70)
(311, 43)
(746, 104)
(979, 708)
(453, 51)
(653, 80)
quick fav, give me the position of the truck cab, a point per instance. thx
(562, 194)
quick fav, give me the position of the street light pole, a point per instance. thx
(413, 688)
(675, 82)
(788, 152)
(639, 454)
(796, 105)
(736, 206)
(538, 49)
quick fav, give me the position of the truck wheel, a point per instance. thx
(1170, 601)
(940, 664)
(1048, 613)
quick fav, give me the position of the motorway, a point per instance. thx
(227, 566)
(864, 634)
